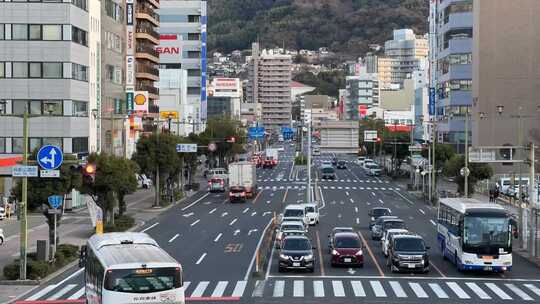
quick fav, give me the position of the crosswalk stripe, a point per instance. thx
(339, 291)
(279, 288)
(298, 288)
(78, 294)
(378, 289)
(438, 290)
(199, 290)
(478, 291)
(533, 288)
(239, 289)
(358, 289)
(259, 288)
(418, 290)
(398, 290)
(519, 292)
(458, 290)
(41, 293)
(62, 292)
(220, 289)
(318, 289)
(186, 285)
(499, 292)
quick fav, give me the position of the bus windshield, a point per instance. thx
(145, 280)
(488, 235)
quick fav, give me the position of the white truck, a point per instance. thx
(243, 174)
(271, 158)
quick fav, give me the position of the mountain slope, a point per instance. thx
(347, 26)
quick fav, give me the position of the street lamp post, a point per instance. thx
(466, 173)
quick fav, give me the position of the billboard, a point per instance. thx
(204, 21)
(169, 48)
(362, 111)
(130, 73)
(226, 83)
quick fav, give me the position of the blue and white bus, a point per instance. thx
(475, 235)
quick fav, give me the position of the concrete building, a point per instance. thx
(362, 91)
(172, 99)
(402, 56)
(227, 95)
(270, 85)
(339, 137)
(451, 45)
(183, 31)
(506, 54)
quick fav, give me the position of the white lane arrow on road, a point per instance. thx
(252, 230)
(188, 214)
(224, 214)
(351, 271)
(267, 212)
(236, 232)
(253, 213)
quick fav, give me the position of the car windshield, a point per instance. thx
(291, 227)
(394, 225)
(341, 162)
(296, 244)
(293, 213)
(310, 209)
(409, 244)
(347, 242)
(327, 170)
(380, 212)
(487, 231)
(336, 230)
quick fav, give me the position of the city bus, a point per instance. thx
(475, 235)
(129, 267)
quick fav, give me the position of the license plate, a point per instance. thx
(237, 195)
(410, 265)
(347, 260)
(296, 264)
(488, 268)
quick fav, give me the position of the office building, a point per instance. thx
(506, 110)
(363, 91)
(451, 45)
(172, 101)
(270, 85)
(402, 56)
(183, 46)
(225, 96)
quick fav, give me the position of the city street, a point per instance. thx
(216, 242)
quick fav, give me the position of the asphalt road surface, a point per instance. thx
(216, 243)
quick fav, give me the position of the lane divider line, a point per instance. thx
(200, 259)
(148, 228)
(218, 237)
(174, 238)
(195, 202)
(320, 253)
(381, 273)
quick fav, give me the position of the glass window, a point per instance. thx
(194, 91)
(35, 69)
(82, 4)
(19, 106)
(52, 70)
(19, 32)
(194, 72)
(2, 145)
(79, 36)
(54, 141)
(19, 69)
(53, 107)
(194, 54)
(34, 143)
(35, 31)
(79, 72)
(17, 145)
(2, 69)
(194, 18)
(2, 26)
(80, 108)
(194, 36)
(35, 107)
(79, 144)
(52, 32)
(142, 281)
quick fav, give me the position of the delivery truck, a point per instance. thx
(243, 174)
(271, 158)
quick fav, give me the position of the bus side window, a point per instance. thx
(514, 227)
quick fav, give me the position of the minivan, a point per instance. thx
(312, 213)
(295, 212)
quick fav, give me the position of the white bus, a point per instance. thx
(475, 235)
(125, 268)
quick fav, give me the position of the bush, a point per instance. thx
(300, 160)
(122, 223)
(11, 271)
(38, 269)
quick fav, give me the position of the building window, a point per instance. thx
(19, 69)
(82, 4)
(114, 42)
(80, 108)
(35, 69)
(194, 54)
(194, 72)
(34, 31)
(2, 145)
(194, 91)
(19, 32)
(194, 36)
(52, 70)
(37, 107)
(2, 35)
(52, 32)
(53, 141)
(114, 10)
(79, 36)
(79, 72)
(17, 145)
(79, 144)
(53, 107)
(34, 143)
(2, 69)
(194, 18)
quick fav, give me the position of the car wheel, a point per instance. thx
(1, 241)
(442, 251)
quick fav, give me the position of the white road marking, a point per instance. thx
(458, 290)
(42, 292)
(218, 237)
(381, 201)
(239, 289)
(233, 221)
(438, 290)
(195, 223)
(298, 288)
(352, 201)
(220, 289)
(499, 292)
(337, 286)
(195, 202)
(61, 292)
(212, 211)
(174, 237)
(279, 288)
(199, 290)
(358, 289)
(398, 290)
(245, 210)
(478, 291)
(347, 193)
(519, 292)
(248, 272)
(318, 289)
(201, 258)
(357, 221)
(378, 289)
(148, 228)
(433, 222)
(533, 288)
(253, 213)
(373, 193)
(418, 290)
(421, 211)
(78, 294)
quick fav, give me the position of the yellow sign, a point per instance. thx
(168, 114)
(140, 99)
(99, 227)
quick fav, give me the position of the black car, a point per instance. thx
(334, 161)
(377, 212)
(296, 254)
(342, 164)
(408, 253)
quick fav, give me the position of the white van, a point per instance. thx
(295, 212)
(312, 213)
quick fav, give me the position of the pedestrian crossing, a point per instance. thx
(329, 188)
(369, 288)
(324, 180)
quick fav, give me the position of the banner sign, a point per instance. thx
(431, 101)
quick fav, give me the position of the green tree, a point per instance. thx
(443, 152)
(478, 172)
(219, 130)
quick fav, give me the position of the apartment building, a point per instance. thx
(269, 84)
(363, 91)
(183, 46)
(451, 45)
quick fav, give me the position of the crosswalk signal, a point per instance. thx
(89, 173)
(231, 139)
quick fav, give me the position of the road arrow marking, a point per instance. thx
(224, 214)
(267, 212)
(339, 215)
(188, 214)
(245, 210)
(252, 230)
(50, 160)
(253, 213)
(351, 271)
(236, 232)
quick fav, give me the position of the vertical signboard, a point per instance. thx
(130, 35)
(431, 101)
(141, 102)
(129, 102)
(204, 20)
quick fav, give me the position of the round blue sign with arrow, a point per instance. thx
(50, 157)
(55, 201)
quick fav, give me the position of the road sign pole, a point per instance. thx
(23, 204)
(54, 241)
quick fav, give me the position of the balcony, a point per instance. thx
(147, 13)
(145, 31)
(147, 72)
(147, 51)
(147, 87)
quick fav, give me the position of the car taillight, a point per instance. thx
(359, 252)
(221, 182)
(209, 183)
(243, 194)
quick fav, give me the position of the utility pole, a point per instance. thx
(433, 186)
(24, 203)
(466, 175)
(157, 194)
(309, 163)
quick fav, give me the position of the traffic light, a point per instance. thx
(89, 173)
(231, 139)
(378, 139)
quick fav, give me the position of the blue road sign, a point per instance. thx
(431, 101)
(55, 201)
(256, 132)
(50, 157)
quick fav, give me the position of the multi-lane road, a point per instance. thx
(216, 242)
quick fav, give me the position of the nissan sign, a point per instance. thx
(169, 48)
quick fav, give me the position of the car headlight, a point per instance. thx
(359, 252)
(335, 252)
(283, 257)
(308, 257)
(372, 218)
(423, 262)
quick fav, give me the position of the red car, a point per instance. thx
(346, 249)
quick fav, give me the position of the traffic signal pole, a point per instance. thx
(24, 203)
